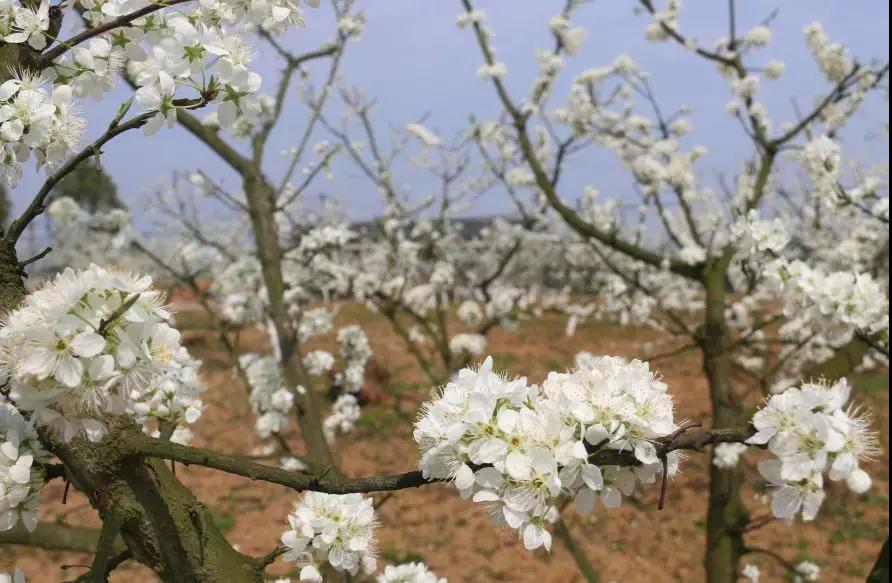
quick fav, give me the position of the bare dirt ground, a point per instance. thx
(636, 543)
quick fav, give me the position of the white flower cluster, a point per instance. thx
(822, 160)
(85, 237)
(832, 58)
(270, 400)
(314, 322)
(70, 215)
(424, 135)
(807, 571)
(839, 68)
(203, 49)
(21, 470)
(571, 37)
(319, 362)
(727, 455)
(345, 412)
(760, 236)
(496, 69)
(467, 344)
(35, 118)
(173, 401)
(356, 351)
(751, 573)
(337, 529)
(469, 313)
(241, 291)
(811, 434)
(199, 259)
(409, 573)
(515, 448)
(835, 304)
(77, 350)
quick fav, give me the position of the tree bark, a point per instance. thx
(56, 537)
(880, 571)
(726, 514)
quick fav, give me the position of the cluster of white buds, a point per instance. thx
(477, 17)
(409, 573)
(79, 349)
(270, 400)
(664, 21)
(571, 37)
(170, 403)
(424, 135)
(333, 529)
(352, 25)
(832, 58)
(516, 448)
(21, 470)
(812, 434)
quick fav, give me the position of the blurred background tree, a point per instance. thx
(91, 187)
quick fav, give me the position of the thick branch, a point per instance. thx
(57, 537)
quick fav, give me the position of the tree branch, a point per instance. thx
(140, 444)
(57, 537)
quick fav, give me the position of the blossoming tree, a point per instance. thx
(97, 389)
(766, 283)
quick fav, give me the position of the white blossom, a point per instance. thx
(409, 573)
(333, 529)
(21, 470)
(812, 435)
(84, 346)
(727, 455)
(515, 448)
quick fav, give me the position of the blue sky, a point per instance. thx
(415, 61)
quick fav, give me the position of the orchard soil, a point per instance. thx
(634, 544)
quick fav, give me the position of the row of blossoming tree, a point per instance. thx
(779, 285)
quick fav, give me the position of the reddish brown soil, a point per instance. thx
(633, 544)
